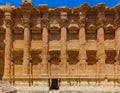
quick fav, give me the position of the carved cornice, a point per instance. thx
(27, 12)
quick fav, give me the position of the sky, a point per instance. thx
(68, 3)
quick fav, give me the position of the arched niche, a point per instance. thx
(109, 32)
(36, 33)
(73, 32)
(54, 32)
(18, 32)
(91, 33)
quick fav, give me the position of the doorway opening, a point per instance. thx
(54, 84)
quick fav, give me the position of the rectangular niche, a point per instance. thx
(110, 36)
(72, 36)
(36, 36)
(54, 36)
(18, 36)
(91, 36)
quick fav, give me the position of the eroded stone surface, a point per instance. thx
(60, 46)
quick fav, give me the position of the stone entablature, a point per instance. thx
(69, 44)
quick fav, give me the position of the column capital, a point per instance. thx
(8, 15)
(101, 19)
(45, 22)
(64, 19)
(82, 19)
(26, 19)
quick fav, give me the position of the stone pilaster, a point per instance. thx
(45, 50)
(63, 42)
(8, 42)
(63, 49)
(101, 51)
(82, 52)
(26, 50)
(117, 41)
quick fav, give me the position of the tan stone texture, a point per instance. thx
(78, 46)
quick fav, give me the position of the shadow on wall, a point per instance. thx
(1, 67)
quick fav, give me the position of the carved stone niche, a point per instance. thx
(54, 56)
(91, 57)
(110, 56)
(73, 56)
(54, 28)
(18, 29)
(109, 31)
(17, 54)
(91, 32)
(36, 30)
(73, 28)
(36, 54)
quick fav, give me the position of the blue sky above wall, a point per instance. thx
(68, 3)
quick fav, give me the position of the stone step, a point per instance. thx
(54, 91)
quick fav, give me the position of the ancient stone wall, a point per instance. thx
(74, 45)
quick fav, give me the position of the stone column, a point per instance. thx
(117, 41)
(26, 50)
(63, 49)
(101, 51)
(8, 43)
(82, 52)
(45, 50)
